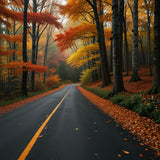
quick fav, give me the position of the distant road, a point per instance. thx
(65, 126)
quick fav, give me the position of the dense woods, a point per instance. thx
(90, 39)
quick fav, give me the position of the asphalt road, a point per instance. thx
(77, 130)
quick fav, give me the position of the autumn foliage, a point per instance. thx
(22, 66)
(52, 81)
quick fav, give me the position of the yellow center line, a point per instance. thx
(35, 137)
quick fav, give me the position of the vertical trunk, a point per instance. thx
(111, 55)
(101, 40)
(33, 46)
(24, 77)
(45, 57)
(117, 26)
(135, 76)
(126, 45)
(142, 51)
(14, 44)
(149, 39)
(156, 56)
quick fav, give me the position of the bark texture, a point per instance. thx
(135, 76)
(117, 26)
(25, 73)
(156, 55)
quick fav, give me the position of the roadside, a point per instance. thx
(147, 132)
(12, 106)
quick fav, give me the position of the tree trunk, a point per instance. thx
(149, 38)
(156, 55)
(33, 46)
(117, 26)
(25, 73)
(135, 76)
(45, 55)
(101, 40)
(126, 45)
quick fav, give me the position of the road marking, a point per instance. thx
(35, 137)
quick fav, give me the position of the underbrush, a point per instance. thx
(6, 100)
(147, 107)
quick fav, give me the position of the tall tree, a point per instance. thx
(101, 40)
(24, 77)
(147, 3)
(156, 55)
(117, 27)
(135, 76)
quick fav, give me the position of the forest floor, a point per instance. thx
(146, 130)
(133, 87)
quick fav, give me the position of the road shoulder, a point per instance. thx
(15, 105)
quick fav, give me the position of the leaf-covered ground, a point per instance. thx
(144, 128)
(18, 104)
(133, 87)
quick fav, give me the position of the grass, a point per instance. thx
(147, 107)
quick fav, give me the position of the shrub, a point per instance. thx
(156, 115)
(38, 85)
(86, 76)
(127, 103)
(144, 110)
(117, 99)
(52, 81)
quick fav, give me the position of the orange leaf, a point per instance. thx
(126, 152)
(119, 155)
(141, 155)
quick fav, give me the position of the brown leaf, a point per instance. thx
(96, 154)
(95, 131)
(125, 139)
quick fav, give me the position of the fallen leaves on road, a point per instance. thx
(126, 152)
(76, 129)
(119, 155)
(96, 154)
(141, 155)
(11, 107)
(144, 128)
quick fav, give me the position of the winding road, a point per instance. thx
(65, 126)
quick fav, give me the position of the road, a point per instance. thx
(75, 130)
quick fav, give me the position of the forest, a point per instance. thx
(44, 43)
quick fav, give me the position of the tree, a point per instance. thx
(135, 76)
(117, 27)
(24, 77)
(37, 31)
(147, 3)
(156, 56)
(101, 40)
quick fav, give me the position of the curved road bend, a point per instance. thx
(77, 130)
